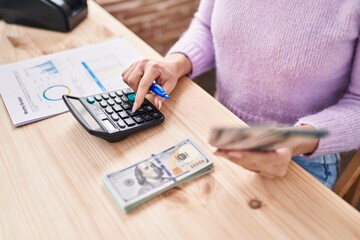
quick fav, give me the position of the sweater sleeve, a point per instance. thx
(197, 42)
(342, 119)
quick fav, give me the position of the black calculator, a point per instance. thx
(109, 116)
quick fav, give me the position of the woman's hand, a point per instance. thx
(271, 163)
(140, 75)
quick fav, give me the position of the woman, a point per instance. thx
(277, 62)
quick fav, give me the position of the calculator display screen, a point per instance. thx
(82, 111)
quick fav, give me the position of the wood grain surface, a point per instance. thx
(51, 171)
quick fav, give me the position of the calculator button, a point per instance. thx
(109, 110)
(98, 98)
(90, 100)
(111, 102)
(115, 117)
(127, 91)
(129, 122)
(147, 117)
(121, 124)
(131, 97)
(130, 113)
(119, 93)
(117, 108)
(149, 108)
(123, 115)
(124, 98)
(117, 100)
(112, 95)
(105, 96)
(141, 110)
(138, 119)
(103, 104)
(156, 115)
(126, 105)
(109, 126)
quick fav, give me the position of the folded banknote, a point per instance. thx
(261, 138)
(136, 184)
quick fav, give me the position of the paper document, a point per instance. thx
(32, 89)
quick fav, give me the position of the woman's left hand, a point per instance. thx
(269, 164)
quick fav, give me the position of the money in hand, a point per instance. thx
(136, 184)
(261, 138)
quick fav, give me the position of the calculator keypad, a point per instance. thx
(117, 106)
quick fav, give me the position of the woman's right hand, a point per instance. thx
(140, 75)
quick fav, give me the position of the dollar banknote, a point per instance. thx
(261, 138)
(142, 181)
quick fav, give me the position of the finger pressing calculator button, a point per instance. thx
(90, 100)
(109, 114)
(130, 113)
(129, 122)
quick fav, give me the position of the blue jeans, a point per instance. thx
(324, 168)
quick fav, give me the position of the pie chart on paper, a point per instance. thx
(55, 92)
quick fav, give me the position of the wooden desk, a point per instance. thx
(51, 171)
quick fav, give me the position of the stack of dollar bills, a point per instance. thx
(136, 184)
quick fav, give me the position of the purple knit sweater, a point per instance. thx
(283, 62)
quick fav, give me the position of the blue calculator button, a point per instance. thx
(131, 97)
(90, 100)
